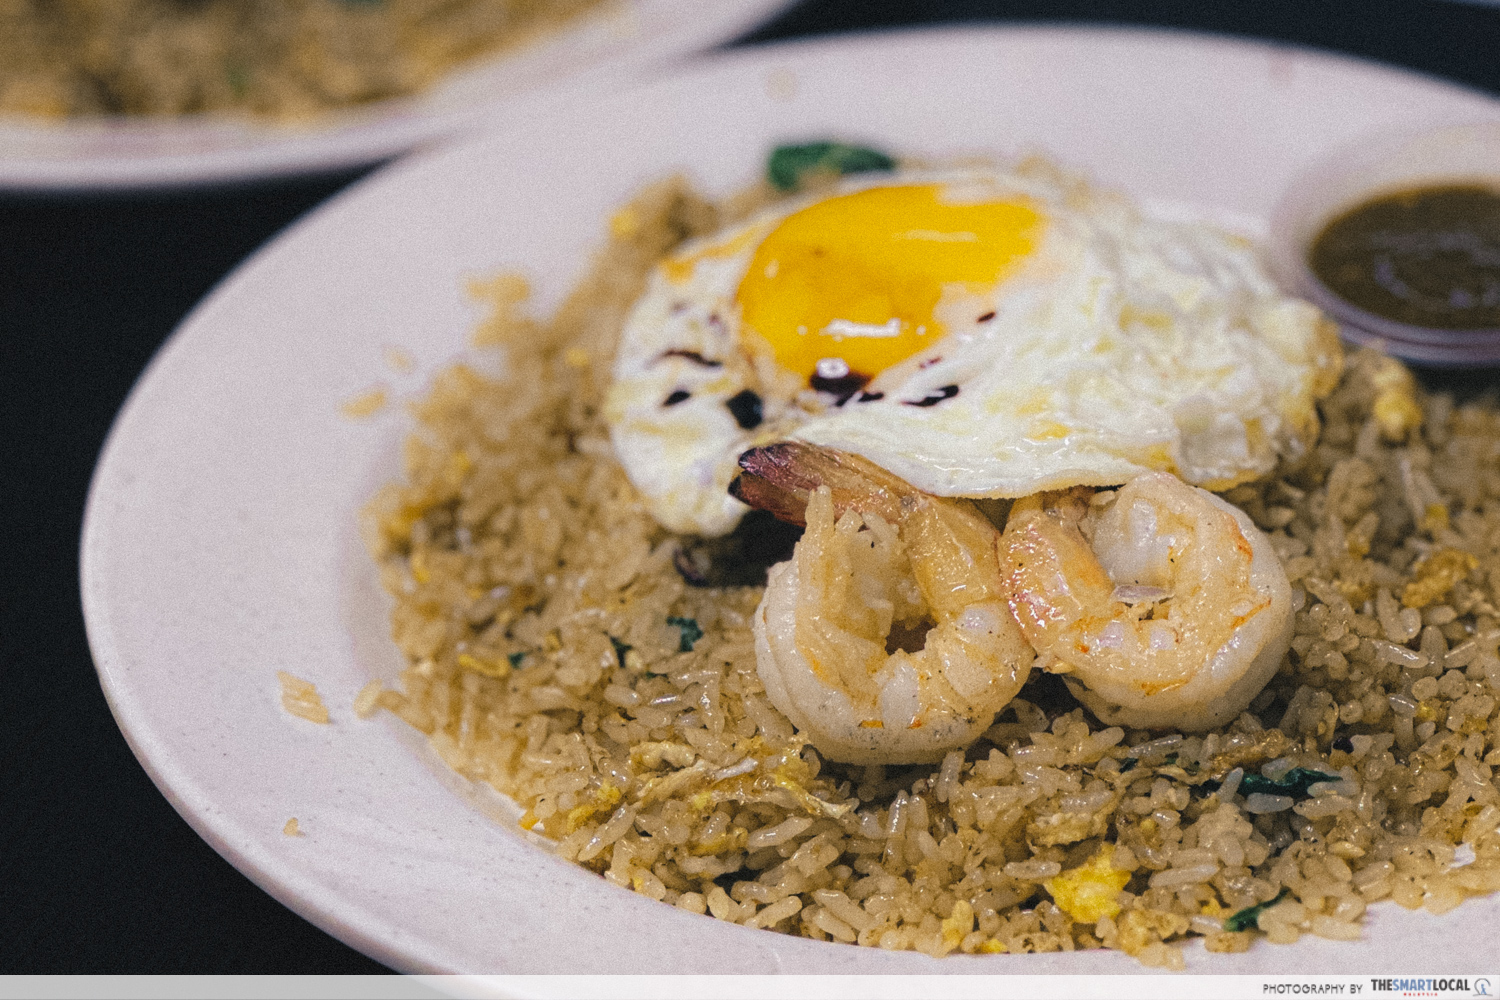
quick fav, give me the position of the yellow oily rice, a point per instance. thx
(544, 617)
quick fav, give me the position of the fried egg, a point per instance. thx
(977, 333)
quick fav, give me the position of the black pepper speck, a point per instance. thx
(842, 387)
(946, 392)
(745, 406)
(692, 356)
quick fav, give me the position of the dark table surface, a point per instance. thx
(98, 874)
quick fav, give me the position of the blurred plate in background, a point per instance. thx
(607, 47)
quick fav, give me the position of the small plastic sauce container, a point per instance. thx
(1415, 175)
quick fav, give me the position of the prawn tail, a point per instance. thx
(780, 478)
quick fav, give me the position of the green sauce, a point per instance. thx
(1427, 257)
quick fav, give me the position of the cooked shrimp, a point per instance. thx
(886, 637)
(1162, 605)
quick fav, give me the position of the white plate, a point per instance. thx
(598, 50)
(219, 544)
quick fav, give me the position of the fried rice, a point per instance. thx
(285, 59)
(600, 671)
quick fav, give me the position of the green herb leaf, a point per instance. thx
(238, 78)
(620, 650)
(691, 633)
(1127, 764)
(1295, 783)
(515, 659)
(788, 165)
(1246, 918)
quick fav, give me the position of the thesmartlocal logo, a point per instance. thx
(1424, 986)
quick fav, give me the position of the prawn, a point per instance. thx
(1161, 605)
(886, 638)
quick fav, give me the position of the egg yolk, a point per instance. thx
(856, 278)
